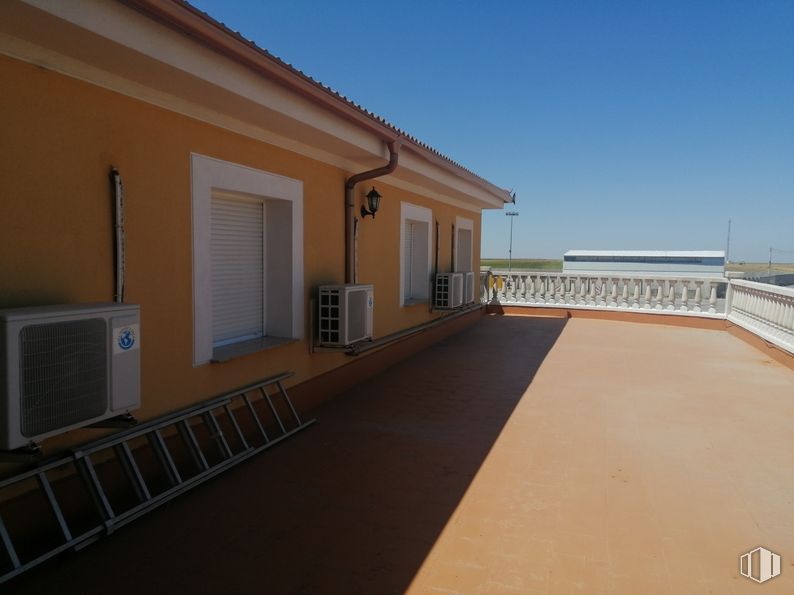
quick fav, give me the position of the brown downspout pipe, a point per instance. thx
(350, 206)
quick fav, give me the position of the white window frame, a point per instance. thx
(207, 175)
(412, 212)
(463, 223)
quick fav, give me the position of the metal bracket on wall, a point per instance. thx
(27, 454)
(160, 459)
(119, 422)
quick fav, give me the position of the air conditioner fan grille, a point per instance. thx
(63, 374)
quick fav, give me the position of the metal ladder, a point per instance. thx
(220, 424)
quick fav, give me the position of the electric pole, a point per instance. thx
(510, 214)
(728, 246)
(770, 260)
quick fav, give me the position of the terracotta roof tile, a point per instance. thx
(327, 89)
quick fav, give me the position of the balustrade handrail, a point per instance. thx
(617, 275)
(765, 287)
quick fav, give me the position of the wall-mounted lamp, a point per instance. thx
(373, 202)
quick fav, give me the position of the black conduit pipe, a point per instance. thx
(118, 232)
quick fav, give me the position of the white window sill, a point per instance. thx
(416, 302)
(234, 350)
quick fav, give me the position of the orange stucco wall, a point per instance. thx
(61, 136)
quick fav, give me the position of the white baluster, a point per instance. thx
(659, 298)
(636, 296)
(602, 289)
(777, 317)
(624, 295)
(737, 300)
(647, 304)
(698, 297)
(613, 294)
(713, 299)
(671, 296)
(684, 297)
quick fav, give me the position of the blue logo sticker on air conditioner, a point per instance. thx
(126, 338)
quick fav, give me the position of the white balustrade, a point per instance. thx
(766, 310)
(669, 295)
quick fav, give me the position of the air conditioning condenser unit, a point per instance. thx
(65, 367)
(449, 291)
(345, 314)
(468, 287)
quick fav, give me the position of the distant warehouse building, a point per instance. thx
(701, 263)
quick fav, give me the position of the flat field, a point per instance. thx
(761, 267)
(545, 264)
(523, 264)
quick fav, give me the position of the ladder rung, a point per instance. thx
(287, 399)
(273, 409)
(6, 539)
(161, 450)
(124, 454)
(86, 470)
(192, 444)
(255, 416)
(44, 483)
(217, 434)
(237, 429)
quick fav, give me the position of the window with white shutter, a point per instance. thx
(464, 245)
(415, 225)
(408, 252)
(247, 259)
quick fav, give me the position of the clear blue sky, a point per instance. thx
(620, 125)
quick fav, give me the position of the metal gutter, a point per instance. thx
(350, 210)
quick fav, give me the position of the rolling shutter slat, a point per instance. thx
(237, 247)
(408, 251)
(464, 250)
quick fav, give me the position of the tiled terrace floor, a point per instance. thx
(521, 456)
